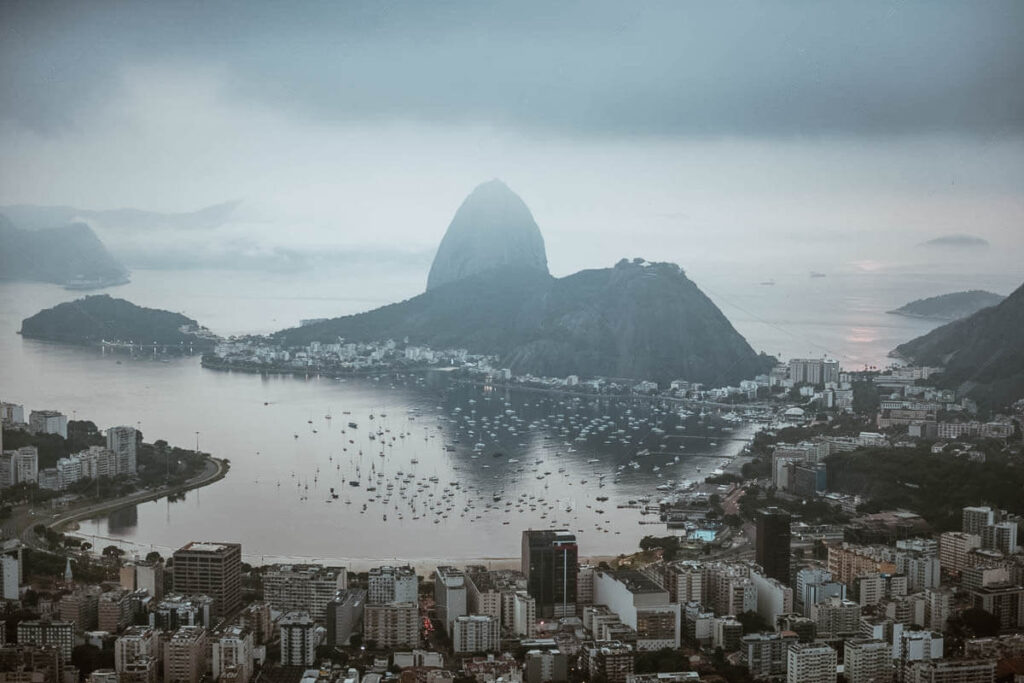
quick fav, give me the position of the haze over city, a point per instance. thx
(511, 342)
(352, 129)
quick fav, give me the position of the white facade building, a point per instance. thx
(48, 422)
(392, 584)
(233, 649)
(134, 643)
(524, 615)
(298, 639)
(122, 442)
(303, 587)
(476, 633)
(810, 663)
(640, 604)
(773, 597)
(449, 596)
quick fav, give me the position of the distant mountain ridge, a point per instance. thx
(982, 355)
(637, 320)
(37, 217)
(951, 306)
(100, 317)
(62, 255)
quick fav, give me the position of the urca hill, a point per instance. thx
(982, 356)
(490, 292)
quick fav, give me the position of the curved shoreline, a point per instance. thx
(215, 470)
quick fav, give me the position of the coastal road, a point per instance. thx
(23, 522)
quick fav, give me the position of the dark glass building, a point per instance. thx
(549, 563)
(773, 538)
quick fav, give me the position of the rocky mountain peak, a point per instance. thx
(492, 229)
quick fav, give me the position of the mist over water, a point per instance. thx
(841, 315)
(254, 169)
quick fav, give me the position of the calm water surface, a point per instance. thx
(286, 454)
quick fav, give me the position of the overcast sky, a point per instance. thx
(630, 128)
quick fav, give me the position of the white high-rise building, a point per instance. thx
(836, 617)
(585, 584)
(48, 422)
(135, 642)
(122, 441)
(939, 608)
(640, 604)
(47, 632)
(10, 569)
(975, 519)
(20, 466)
(92, 463)
(766, 655)
(26, 464)
(449, 596)
(476, 633)
(233, 649)
(814, 585)
(1001, 537)
(916, 646)
(922, 570)
(810, 663)
(685, 582)
(813, 371)
(12, 413)
(392, 584)
(185, 655)
(524, 615)
(395, 624)
(954, 547)
(867, 660)
(952, 671)
(298, 639)
(303, 587)
(773, 597)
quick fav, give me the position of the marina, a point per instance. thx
(456, 457)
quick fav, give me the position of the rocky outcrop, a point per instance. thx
(492, 229)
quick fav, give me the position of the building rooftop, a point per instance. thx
(311, 570)
(636, 582)
(207, 547)
(296, 619)
(188, 633)
(767, 635)
(234, 631)
(405, 570)
(137, 632)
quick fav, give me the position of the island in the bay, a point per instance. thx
(949, 307)
(115, 323)
(69, 255)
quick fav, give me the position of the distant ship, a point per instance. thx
(768, 283)
(815, 273)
